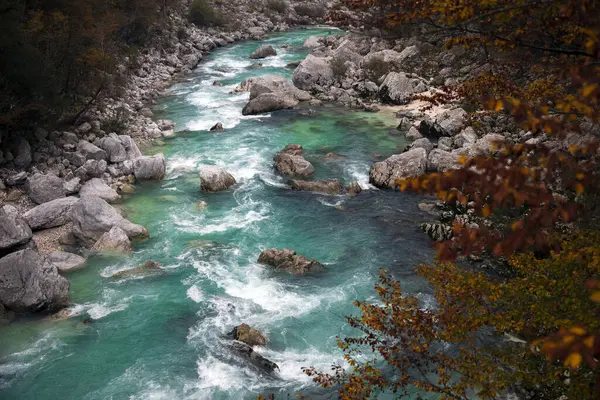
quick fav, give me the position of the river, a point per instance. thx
(164, 337)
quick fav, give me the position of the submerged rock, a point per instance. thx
(66, 261)
(51, 214)
(288, 260)
(215, 179)
(330, 186)
(248, 335)
(413, 163)
(354, 188)
(149, 268)
(256, 359)
(31, 283)
(113, 241)
(217, 127)
(263, 51)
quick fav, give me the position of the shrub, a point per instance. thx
(311, 10)
(338, 66)
(277, 5)
(202, 13)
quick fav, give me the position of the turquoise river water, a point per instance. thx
(165, 337)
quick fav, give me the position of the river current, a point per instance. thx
(165, 337)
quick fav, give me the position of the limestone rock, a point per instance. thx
(268, 102)
(72, 186)
(17, 179)
(248, 335)
(398, 88)
(288, 260)
(91, 151)
(14, 231)
(75, 158)
(313, 71)
(263, 51)
(275, 84)
(330, 186)
(413, 133)
(423, 143)
(84, 128)
(51, 214)
(313, 42)
(214, 179)
(66, 261)
(452, 121)
(465, 138)
(131, 148)
(409, 164)
(114, 148)
(113, 241)
(43, 188)
(92, 217)
(31, 283)
(389, 60)
(97, 187)
(486, 145)
(290, 162)
(150, 168)
(441, 161)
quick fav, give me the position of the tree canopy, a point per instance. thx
(57, 54)
(536, 331)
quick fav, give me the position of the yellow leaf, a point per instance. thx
(573, 360)
(589, 90)
(578, 331)
(589, 342)
(579, 188)
(580, 176)
(486, 211)
(517, 225)
(595, 297)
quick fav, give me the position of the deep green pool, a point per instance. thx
(163, 337)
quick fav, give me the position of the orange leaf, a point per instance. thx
(573, 360)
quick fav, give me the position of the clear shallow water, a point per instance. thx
(163, 337)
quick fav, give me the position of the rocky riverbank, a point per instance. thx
(57, 186)
(373, 73)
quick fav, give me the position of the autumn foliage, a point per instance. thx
(537, 331)
(481, 339)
